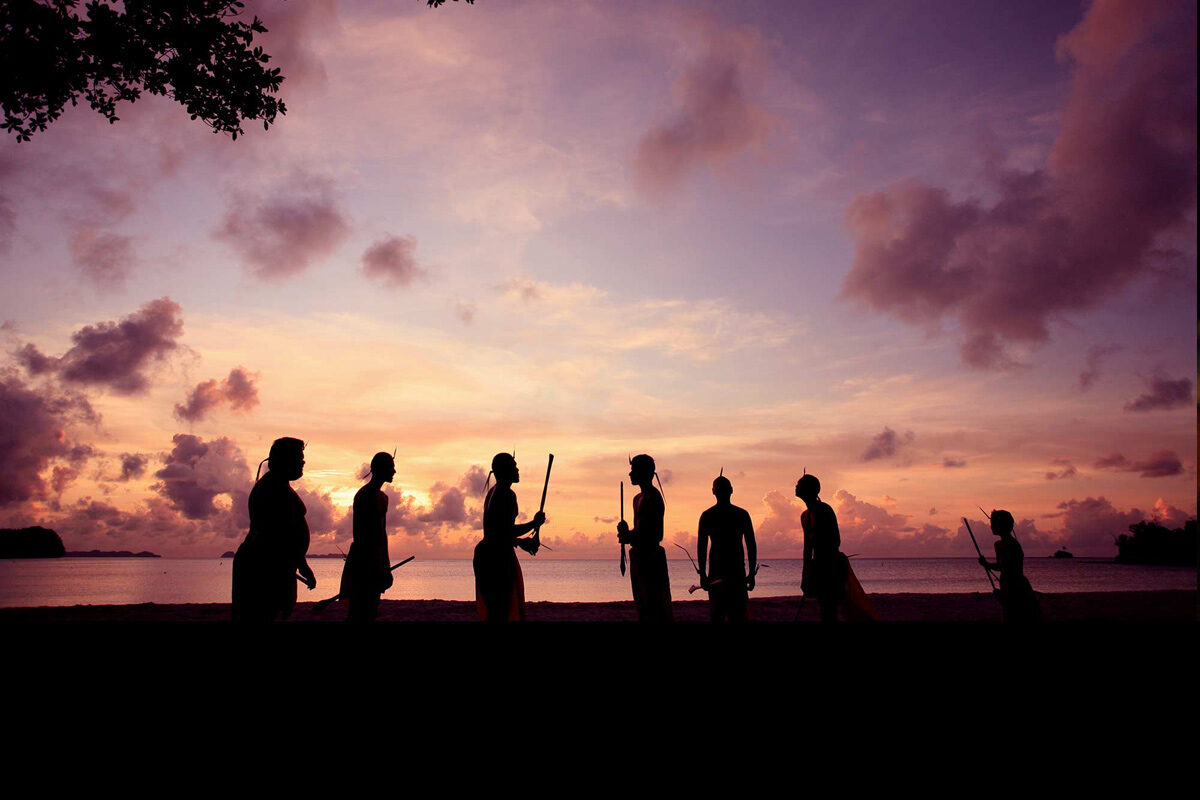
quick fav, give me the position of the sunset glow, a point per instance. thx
(940, 255)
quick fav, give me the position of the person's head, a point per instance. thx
(286, 458)
(808, 487)
(383, 467)
(641, 469)
(722, 489)
(504, 467)
(1002, 522)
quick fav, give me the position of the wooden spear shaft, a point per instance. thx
(986, 568)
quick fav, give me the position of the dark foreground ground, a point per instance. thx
(1155, 606)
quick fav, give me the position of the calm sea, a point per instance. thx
(103, 581)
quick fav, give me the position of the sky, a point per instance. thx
(941, 255)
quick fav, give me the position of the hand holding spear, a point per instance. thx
(982, 560)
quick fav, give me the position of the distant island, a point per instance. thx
(324, 555)
(35, 542)
(228, 554)
(110, 554)
(1150, 543)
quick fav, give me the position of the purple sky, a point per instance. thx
(939, 254)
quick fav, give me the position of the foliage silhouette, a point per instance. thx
(197, 52)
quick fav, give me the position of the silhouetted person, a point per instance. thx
(266, 563)
(1017, 599)
(824, 574)
(647, 559)
(725, 526)
(499, 586)
(367, 572)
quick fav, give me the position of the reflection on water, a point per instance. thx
(103, 581)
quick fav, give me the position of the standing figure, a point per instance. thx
(367, 572)
(499, 586)
(728, 583)
(266, 563)
(647, 559)
(1017, 599)
(824, 573)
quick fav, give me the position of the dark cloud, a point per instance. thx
(885, 444)
(133, 465)
(716, 117)
(195, 472)
(1161, 464)
(238, 390)
(34, 361)
(115, 355)
(105, 259)
(953, 463)
(1091, 370)
(33, 439)
(393, 260)
(1163, 393)
(281, 234)
(1066, 472)
(1121, 174)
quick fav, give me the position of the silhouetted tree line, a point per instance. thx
(197, 52)
(1151, 543)
(35, 542)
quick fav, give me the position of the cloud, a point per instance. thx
(393, 260)
(280, 234)
(1068, 470)
(238, 390)
(1122, 173)
(716, 116)
(133, 465)
(1163, 393)
(292, 29)
(195, 472)
(1161, 464)
(885, 444)
(953, 463)
(34, 439)
(115, 355)
(1093, 523)
(106, 259)
(1091, 370)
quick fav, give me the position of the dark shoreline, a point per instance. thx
(1134, 606)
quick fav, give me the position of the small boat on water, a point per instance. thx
(1062, 552)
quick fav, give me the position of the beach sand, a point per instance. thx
(1151, 606)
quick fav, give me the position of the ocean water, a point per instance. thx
(104, 581)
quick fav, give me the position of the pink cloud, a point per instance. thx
(281, 234)
(393, 260)
(195, 472)
(716, 116)
(106, 259)
(1162, 464)
(238, 390)
(1121, 174)
(1163, 393)
(33, 438)
(886, 443)
(115, 355)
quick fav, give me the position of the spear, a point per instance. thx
(321, 605)
(537, 532)
(622, 520)
(986, 568)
